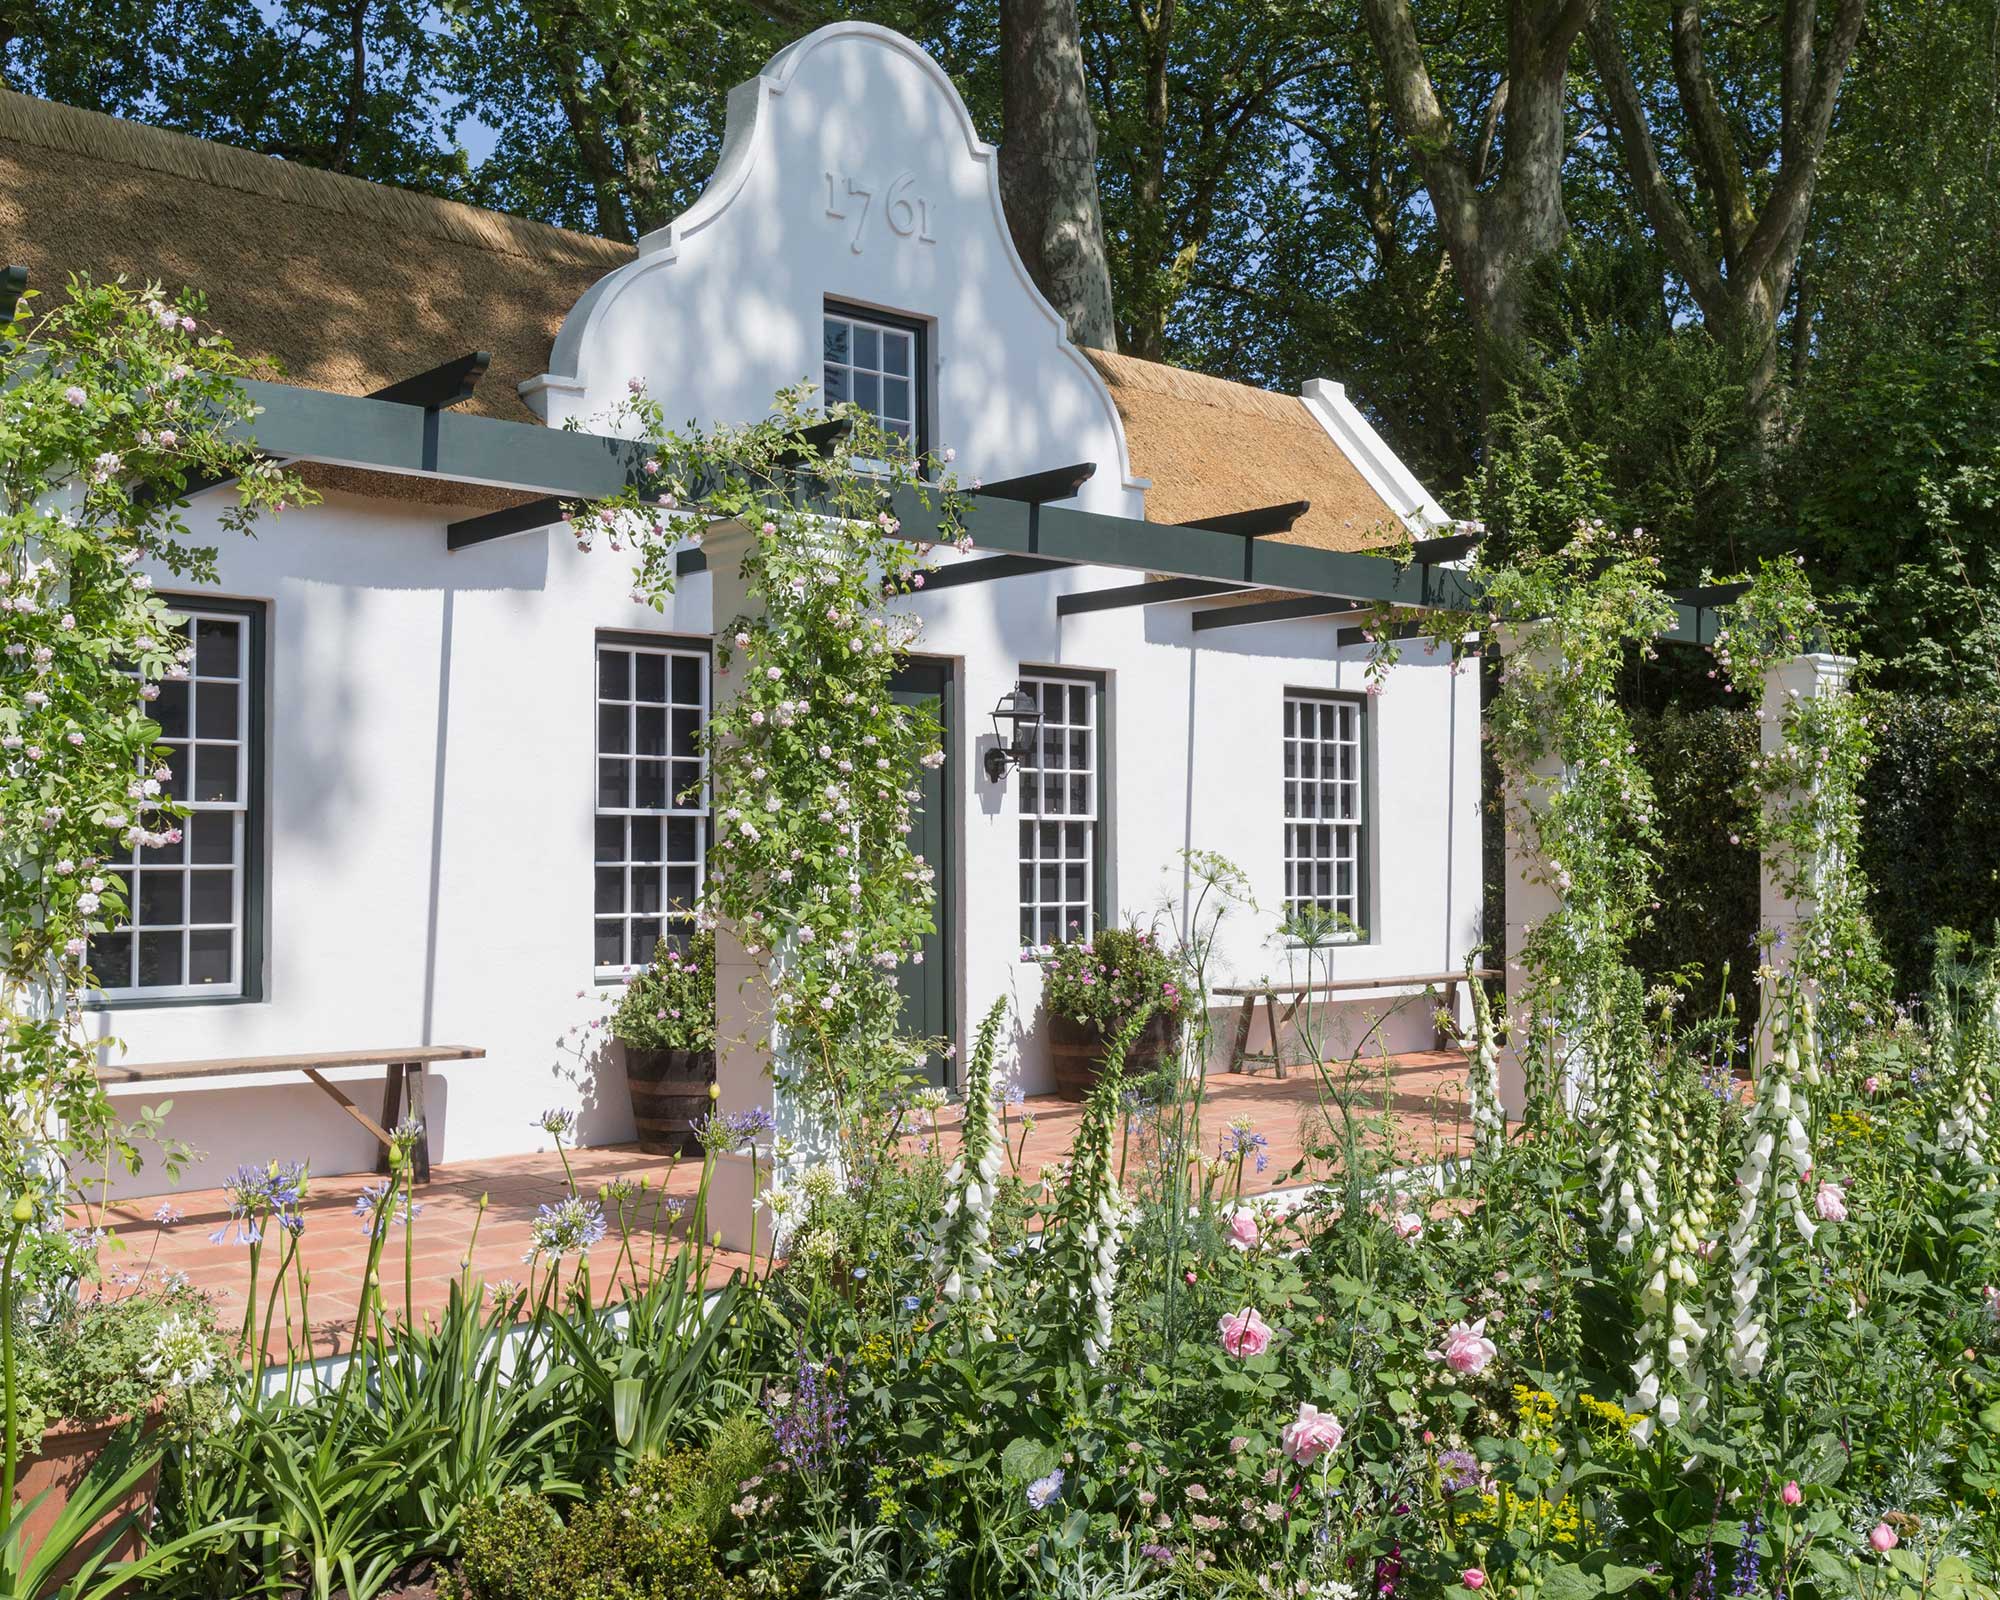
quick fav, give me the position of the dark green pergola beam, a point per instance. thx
(1294, 608)
(381, 436)
(986, 570)
(1153, 592)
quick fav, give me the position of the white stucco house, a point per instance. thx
(431, 784)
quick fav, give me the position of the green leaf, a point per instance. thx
(1571, 1582)
(1025, 1460)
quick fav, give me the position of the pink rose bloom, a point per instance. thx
(1830, 1203)
(1883, 1538)
(1245, 1334)
(1244, 1234)
(1791, 1494)
(1467, 1350)
(1310, 1435)
(1870, 1084)
(1409, 1225)
(1472, 1578)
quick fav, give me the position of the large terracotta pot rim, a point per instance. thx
(69, 1428)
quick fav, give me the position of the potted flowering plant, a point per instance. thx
(1092, 987)
(98, 1375)
(666, 1022)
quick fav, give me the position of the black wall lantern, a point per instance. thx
(1017, 722)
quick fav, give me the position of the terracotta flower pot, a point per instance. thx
(669, 1090)
(67, 1453)
(1079, 1049)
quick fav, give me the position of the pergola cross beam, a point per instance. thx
(1292, 608)
(380, 436)
(1153, 592)
(449, 383)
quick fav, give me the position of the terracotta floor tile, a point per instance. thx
(1415, 1099)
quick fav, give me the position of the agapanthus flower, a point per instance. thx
(385, 1202)
(567, 1228)
(259, 1196)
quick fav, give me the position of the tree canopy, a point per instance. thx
(1734, 266)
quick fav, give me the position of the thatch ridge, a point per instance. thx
(94, 136)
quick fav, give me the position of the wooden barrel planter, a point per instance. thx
(669, 1091)
(1078, 1050)
(68, 1451)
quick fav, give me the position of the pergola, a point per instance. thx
(1019, 525)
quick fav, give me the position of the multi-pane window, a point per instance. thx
(188, 900)
(1323, 806)
(652, 800)
(876, 365)
(1059, 834)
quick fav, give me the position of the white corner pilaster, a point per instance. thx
(748, 1040)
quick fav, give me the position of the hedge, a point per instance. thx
(1930, 838)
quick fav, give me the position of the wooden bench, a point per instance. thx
(403, 1088)
(1269, 993)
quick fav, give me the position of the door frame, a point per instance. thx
(945, 910)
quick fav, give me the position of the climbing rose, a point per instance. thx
(1244, 1233)
(1467, 1350)
(1473, 1578)
(1245, 1333)
(1310, 1435)
(1791, 1494)
(1409, 1225)
(1884, 1538)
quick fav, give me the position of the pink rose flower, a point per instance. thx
(1830, 1203)
(1883, 1538)
(1244, 1234)
(1467, 1350)
(1408, 1225)
(1310, 1435)
(1870, 1084)
(1791, 1494)
(1245, 1333)
(1472, 1578)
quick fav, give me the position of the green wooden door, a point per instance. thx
(928, 989)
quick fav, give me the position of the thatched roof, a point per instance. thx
(348, 285)
(1211, 446)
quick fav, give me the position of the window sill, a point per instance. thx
(170, 1002)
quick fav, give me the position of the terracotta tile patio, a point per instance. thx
(1417, 1099)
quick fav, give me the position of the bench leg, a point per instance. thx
(413, 1091)
(1242, 1042)
(1277, 1036)
(392, 1108)
(1443, 1035)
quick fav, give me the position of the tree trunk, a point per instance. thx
(1496, 235)
(1048, 166)
(1742, 279)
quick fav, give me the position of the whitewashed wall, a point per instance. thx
(431, 715)
(722, 307)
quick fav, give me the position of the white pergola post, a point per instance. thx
(1531, 900)
(748, 1041)
(1786, 898)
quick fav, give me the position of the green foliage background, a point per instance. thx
(1930, 838)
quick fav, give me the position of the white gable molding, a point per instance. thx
(576, 384)
(1373, 459)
